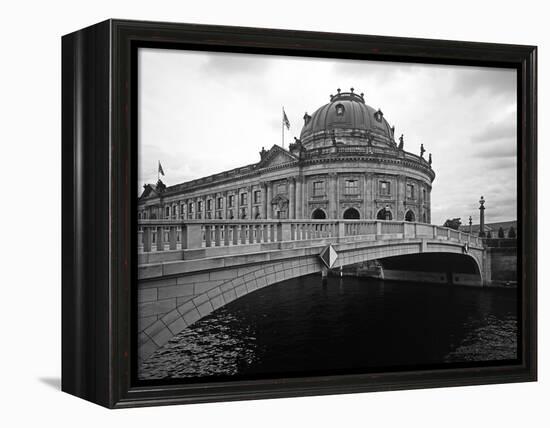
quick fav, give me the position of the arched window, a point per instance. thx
(351, 214)
(340, 110)
(318, 214)
(424, 218)
(409, 216)
(384, 214)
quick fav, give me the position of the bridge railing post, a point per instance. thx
(160, 238)
(378, 228)
(283, 232)
(340, 229)
(172, 237)
(191, 236)
(146, 239)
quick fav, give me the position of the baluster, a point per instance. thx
(217, 235)
(250, 233)
(226, 230)
(235, 234)
(243, 233)
(208, 235)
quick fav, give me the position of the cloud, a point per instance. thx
(496, 131)
(491, 82)
(498, 150)
(229, 65)
(203, 113)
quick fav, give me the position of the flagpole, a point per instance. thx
(283, 126)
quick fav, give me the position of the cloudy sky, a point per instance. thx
(202, 113)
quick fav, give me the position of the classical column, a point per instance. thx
(269, 197)
(333, 195)
(250, 202)
(401, 198)
(292, 198)
(263, 187)
(366, 201)
(298, 207)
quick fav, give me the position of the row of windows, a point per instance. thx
(351, 187)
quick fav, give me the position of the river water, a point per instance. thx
(345, 325)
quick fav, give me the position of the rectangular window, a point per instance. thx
(384, 188)
(257, 196)
(244, 198)
(220, 203)
(191, 207)
(199, 206)
(351, 187)
(318, 188)
(410, 191)
(209, 205)
(424, 194)
(231, 201)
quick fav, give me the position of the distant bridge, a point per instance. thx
(189, 268)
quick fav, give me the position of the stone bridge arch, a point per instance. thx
(175, 301)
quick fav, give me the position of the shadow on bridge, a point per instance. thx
(435, 268)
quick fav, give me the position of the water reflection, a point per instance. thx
(346, 323)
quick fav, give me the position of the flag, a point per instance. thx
(161, 171)
(285, 120)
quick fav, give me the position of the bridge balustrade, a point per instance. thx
(168, 234)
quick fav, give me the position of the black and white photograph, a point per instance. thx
(275, 214)
(304, 216)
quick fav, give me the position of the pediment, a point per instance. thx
(279, 199)
(148, 192)
(276, 156)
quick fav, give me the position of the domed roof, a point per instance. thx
(347, 111)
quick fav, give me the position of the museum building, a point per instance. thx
(345, 165)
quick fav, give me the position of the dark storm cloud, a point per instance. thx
(492, 82)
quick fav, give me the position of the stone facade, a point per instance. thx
(346, 164)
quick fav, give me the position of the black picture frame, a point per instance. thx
(98, 206)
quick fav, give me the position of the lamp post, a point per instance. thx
(482, 217)
(470, 223)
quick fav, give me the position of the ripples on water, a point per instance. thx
(348, 324)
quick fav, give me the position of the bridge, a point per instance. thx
(189, 268)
